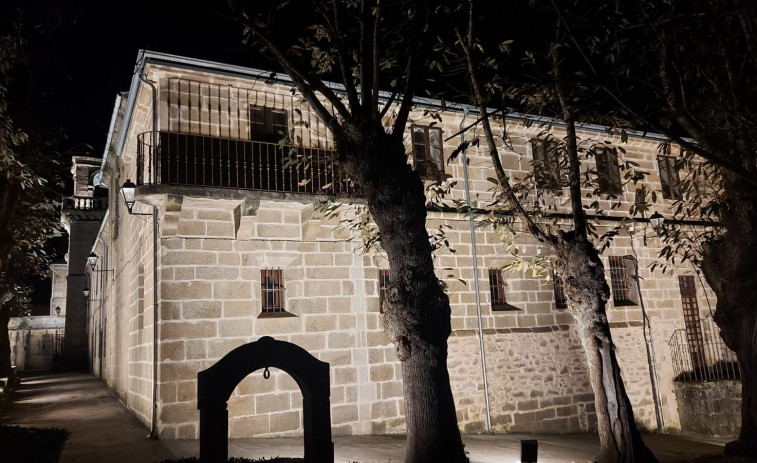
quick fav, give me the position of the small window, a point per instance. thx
(267, 125)
(497, 287)
(624, 288)
(669, 177)
(383, 287)
(547, 170)
(428, 156)
(608, 171)
(561, 302)
(641, 197)
(271, 291)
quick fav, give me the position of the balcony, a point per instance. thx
(83, 208)
(85, 203)
(180, 159)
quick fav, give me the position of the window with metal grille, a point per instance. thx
(271, 290)
(669, 178)
(497, 289)
(640, 198)
(547, 169)
(267, 124)
(561, 301)
(428, 156)
(622, 272)
(608, 170)
(694, 337)
(383, 287)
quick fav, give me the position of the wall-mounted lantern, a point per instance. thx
(128, 191)
(657, 221)
(92, 260)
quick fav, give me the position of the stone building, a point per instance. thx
(227, 243)
(82, 216)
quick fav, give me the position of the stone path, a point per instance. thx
(102, 430)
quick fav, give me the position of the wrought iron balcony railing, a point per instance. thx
(197, 160)
(702, 355)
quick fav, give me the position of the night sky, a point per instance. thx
(89, 58)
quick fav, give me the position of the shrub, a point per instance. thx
(31, 445)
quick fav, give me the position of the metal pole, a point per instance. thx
(475, 282)
(647, 332)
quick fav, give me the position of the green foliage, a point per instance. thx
(29, 175)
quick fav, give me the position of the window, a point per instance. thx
(497, 288)
(669, 177)
(267, 125)
(608, 170)
(694, 337)
(383, 287)
(547, 171)
(622, 272)
(561, 302)
(271, 291)
(641, 197)
(428, 156)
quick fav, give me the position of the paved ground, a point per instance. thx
(102, 430)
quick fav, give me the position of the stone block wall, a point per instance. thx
(537, 380)
(211, 304)
(710, 408)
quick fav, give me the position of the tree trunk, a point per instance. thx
(417, 316)
(5, 344)
(729, 265)
(587, 292)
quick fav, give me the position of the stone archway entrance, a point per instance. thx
(215, 385)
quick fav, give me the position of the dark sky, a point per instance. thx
(89, 54)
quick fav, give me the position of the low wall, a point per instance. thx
(710, 409)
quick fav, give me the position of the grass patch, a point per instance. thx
(31, 445)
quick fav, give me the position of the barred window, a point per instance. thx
(669, 178)
(547, 167)
(428, 156)
(497, 287)
(271, 290)
(640, 198)
(608, 170)
(561, 301)
(622, 272)
(383, 287)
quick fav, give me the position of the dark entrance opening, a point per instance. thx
(215, 385)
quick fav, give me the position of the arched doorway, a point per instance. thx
(215, 385)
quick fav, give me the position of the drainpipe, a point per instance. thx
(475, 279)
(155, 343)
(102, 317)
(653, 379)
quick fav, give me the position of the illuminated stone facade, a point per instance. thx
(235, 261)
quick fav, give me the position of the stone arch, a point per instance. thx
(215, 385)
